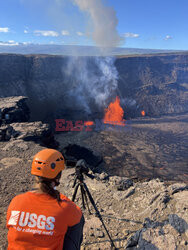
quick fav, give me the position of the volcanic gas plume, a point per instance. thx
(91, 81)
(104, 21)
(96, 85)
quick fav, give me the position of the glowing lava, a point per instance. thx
(88, 123)
(114, 113)
(143, 113)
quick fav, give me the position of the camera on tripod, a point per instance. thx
(81, 167)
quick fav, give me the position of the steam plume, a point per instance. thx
(91, 82)
(104, 22)
(94, 81)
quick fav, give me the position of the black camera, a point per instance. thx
(81, 167)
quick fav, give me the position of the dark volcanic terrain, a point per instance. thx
(148, 148)
(136, 208)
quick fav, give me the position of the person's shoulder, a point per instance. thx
(66, 201)
(64, 197)
(72, 211)
(18, 198)
(21, 196)
(70, 204)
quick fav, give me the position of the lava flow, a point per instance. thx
(114, 113)
(88, 123)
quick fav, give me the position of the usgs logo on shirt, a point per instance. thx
(31, 220)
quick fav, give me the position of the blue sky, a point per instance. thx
(154, 24)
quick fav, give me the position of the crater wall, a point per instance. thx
(157, 84)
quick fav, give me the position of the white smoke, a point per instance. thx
(104, 22)
(96, 78)
(93, 81)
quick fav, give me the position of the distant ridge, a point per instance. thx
(74, 50)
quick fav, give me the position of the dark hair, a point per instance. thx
(46, 187)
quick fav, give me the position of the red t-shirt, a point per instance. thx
(36, 221)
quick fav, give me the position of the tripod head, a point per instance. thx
(80, 169)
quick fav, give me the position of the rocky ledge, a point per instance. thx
(14, 123)
(142, 215)
(16, 108)
(138, 215)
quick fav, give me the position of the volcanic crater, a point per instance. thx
(149, 150)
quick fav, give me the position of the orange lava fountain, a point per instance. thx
(114, 113)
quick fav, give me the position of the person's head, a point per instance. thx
(47, 166)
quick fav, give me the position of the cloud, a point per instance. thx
(4, 30)
(46, 33)
(26, 31)
(65, 33)
(131, 35)
(26, 43)
(79, 33)
(9, 43)
(167, 37)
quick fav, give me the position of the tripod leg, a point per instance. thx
(75, 191)
(82, 193)
(98, 214)
(86, 200)
(83, 196)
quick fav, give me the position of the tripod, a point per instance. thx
(85, 194)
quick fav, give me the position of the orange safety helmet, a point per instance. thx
(48, 163)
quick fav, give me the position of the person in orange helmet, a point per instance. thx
(44, 218)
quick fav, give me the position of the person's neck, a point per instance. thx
(36, 189)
